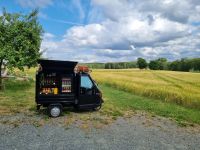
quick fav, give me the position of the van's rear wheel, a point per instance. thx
(55, 110)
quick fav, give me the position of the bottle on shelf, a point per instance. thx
(52, 89)
(55, 91)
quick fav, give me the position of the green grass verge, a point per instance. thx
(18, 96)
(128, 101)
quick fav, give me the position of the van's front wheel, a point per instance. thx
(54, 110)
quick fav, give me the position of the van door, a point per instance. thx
(87, 93)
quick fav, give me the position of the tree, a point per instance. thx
(141, 63)
(20, 39)
(162, 62)
(158, 64)
(108, 66)
(195, 64)
(154, 65)
(185, 64)
(175, 66)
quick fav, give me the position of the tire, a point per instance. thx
(55, 110)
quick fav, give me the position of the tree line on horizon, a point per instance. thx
(184, 64)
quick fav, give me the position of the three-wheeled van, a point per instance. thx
(62, 83)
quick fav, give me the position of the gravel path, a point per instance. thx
(139, 132)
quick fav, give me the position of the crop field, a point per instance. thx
(182, 88)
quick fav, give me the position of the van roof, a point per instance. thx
(57, 65)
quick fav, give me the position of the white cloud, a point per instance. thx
(170, 9)
(110, 34)
(125, 30)
(34, 3)
(48, 36)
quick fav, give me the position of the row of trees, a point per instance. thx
(114, 65)
(185, 64)
(121, 65)
(94, 65)
(158, 64)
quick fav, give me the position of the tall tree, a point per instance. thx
(20, 39)
(158, 64)
(162, 63)
(141, 63)
(154, 65)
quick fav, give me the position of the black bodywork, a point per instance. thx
(57, 82)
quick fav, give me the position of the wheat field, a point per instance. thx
(182, 88)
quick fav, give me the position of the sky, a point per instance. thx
(115, 30)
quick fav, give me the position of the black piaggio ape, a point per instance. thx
(62, 84)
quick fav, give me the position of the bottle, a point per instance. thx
(52, 89)
(56, 91)
(43, 91)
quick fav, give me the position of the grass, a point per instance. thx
(17, 97)
(124, 91)
(181, 88)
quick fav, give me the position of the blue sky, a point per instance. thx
(117, 30)
(55, 17)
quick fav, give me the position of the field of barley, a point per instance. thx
(182, 88)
